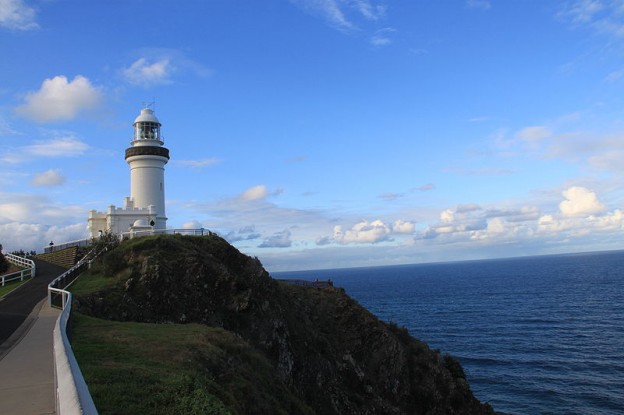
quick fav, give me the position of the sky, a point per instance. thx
(323, 133)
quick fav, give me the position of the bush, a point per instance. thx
(4, 264)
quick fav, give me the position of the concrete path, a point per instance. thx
(26, 352)
(17, 306)
(27, 371)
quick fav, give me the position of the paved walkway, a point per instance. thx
(26, 356)
(27, 371)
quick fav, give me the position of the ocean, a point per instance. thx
(535, 335)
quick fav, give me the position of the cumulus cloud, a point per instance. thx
(58, 99)
(580, 216)
(246, 233)
(146, 73)
(192, 224)
(277, 240)
(48, 178)
(20, 207)
(16, 15)
(401, 226)
(580, 202)
(370, 232)
(36, 236)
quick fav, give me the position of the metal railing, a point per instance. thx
(149, 232)
(54, 248)
(28, 272)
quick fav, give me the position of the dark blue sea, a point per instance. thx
(538, 335)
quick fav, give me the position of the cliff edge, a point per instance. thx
(328, 352)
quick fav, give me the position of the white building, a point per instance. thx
(144, 209)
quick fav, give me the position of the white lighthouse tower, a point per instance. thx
(147, 158)
(144, 209)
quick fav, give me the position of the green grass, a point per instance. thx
(142, 368)
(93, 281)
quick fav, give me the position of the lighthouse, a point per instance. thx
(147, 158)
(144, 209)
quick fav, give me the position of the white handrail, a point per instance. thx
(22, 262)
(29, 271)
(72, 392)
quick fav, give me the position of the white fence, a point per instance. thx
(27, 272)
(72, 393)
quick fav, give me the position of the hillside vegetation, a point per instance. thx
(207, 330)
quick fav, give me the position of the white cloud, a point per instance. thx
(197, 164)
(6, 129)
(59, 99)
(604, 17)
(255, 193)
(35, 236)
(581, 11)
(534, 134)
(258, 193)
(246, 233)
(479, 4)
(193, 224)
(48, 178)
(21, 207)
(382, 37)
(578, 219)
(363, 232)
(16, 15)
(59, 147)
(403, 227)
(277, 240)
(341, 14)
(580, 202)
(62, 146)
(149, 73)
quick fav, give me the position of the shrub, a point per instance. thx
(4, 265)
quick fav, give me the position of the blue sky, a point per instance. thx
(323, 133)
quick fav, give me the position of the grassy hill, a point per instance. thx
(181, 324)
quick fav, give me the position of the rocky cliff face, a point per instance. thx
(329, 351)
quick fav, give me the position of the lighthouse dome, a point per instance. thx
(140, 223)
(147, 115)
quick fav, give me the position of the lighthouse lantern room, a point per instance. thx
(144, 209)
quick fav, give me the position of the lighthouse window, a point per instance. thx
(147, 131)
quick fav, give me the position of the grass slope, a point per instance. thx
(144, 368)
